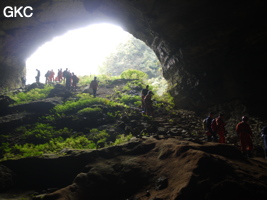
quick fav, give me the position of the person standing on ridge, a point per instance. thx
(68, 80)
(59, 75)
(37, 77)
(245, 135)
(211, 135)
(23, 81)
(64, 74)
(220, 127)
(52, 76)
(75, 80)
(264, 136)
(144, 92)
(47, 77)
(148, 104)
(94, 86)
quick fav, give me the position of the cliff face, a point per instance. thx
(211, 52)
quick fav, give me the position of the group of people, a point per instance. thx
(146, 98)
(70, 79)
(215, 131)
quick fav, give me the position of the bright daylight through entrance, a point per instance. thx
(81, 51)
(93, 50)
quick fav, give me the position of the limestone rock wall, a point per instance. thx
(211, 51)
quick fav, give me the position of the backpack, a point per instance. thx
(75, 79)
(214, 126)
(204, 124)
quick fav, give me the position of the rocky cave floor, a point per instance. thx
(172, 162)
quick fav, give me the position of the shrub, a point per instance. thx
(41, 133)
(90, 111)
(31, 95)
(102, 78)
(72, 106)
(82, 103)
(122, 139)
(127, 99)
(98, 136)
(133, 74)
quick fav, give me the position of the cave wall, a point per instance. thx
(211, 52)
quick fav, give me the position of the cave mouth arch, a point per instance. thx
(101, 48)
(80, 50)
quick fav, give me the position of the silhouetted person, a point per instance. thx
(47, 75)
(68, 80)
(37, 77)
(245, 135)
(264, 137)
(220, 128)
(23, 81)
(75, 80)
(59, 75)
(64, 74)
(143, 94)
(94, 86)
(211, 135)
(148, 104)
(52, 76)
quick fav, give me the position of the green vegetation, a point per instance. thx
(133, 54)
(82, 105)
(40, 133)
(55, 145)
(42, 139)
(122, 139)
(133, 74)
(31, 95)
(102, 78)
(90, 111)
(129, 99)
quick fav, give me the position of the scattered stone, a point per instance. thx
(161, 183)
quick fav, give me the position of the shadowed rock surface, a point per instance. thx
(147, 168)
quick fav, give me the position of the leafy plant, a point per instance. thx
(90, 110)
(82, 103)
(122, 139)
(127, 99)
(133, 74)
(41, 133)
(31, 95)
(103, 79)
(98, 136)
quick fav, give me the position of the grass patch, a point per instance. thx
(31, 95)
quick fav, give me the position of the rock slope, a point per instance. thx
(148, 168)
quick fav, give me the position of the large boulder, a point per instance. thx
(7, 178)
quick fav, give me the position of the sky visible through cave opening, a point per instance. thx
(81, 51)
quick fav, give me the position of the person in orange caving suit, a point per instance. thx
(245, 135)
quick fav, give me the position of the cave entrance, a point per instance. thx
(80, 50)
(96, 49)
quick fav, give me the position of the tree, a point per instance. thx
(134, 54)
(133, 74)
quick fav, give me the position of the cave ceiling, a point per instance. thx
(211, 51)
